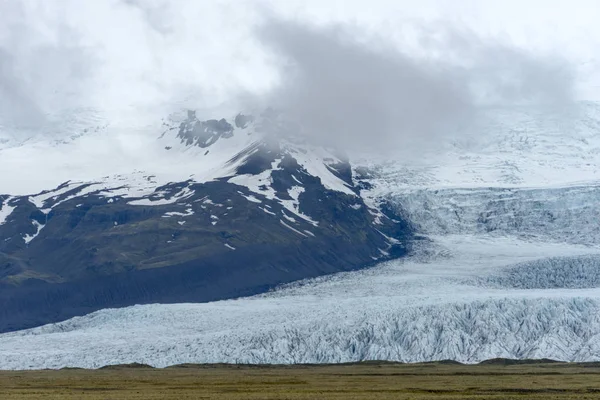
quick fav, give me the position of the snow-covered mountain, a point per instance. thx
(503, 147)
(504, 262)
(213, 195)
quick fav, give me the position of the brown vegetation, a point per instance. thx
(499, 380)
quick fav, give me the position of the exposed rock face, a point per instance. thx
(284, 213)
(203, 133)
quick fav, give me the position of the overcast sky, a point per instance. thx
(112, 53)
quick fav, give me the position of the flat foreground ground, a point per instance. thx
(357, 381)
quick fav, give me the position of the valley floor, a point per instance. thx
(351, 381)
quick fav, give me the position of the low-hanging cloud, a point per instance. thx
(43, 66)
(346, 87)
(341, 83)
(156, 15)
(141, 56)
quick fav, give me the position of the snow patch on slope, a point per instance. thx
(40, 200)
(187, 213)
(5, 210)
(183, 194)
(292, 229)
(259, 183)
(313, 160)
(28, 238)
(293, 205)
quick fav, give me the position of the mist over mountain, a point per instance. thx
(337, 80)
(358, 89)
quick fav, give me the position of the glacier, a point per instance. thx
(560, 214)
(448, 301)
(507, 265)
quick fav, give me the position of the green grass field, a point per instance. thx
(352, 381)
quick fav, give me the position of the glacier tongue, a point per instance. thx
(562, 329)
(426, 307)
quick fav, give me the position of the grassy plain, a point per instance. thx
(494, 380)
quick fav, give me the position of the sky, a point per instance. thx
(399, 70)
(116, 53)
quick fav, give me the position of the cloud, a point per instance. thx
(156, 14)
(340, 81)
(112, 55)
(346, 86)
(43, 66)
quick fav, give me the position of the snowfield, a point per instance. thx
(504, 147)
(508, 266)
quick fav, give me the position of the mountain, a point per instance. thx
(256, 207)
(503, 147)
(505, 265)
